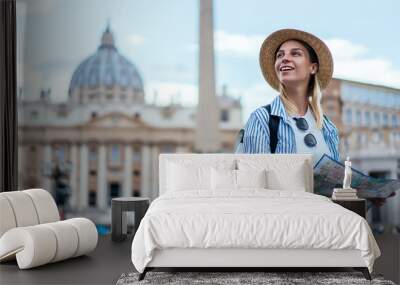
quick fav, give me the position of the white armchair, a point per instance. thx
(31, 230)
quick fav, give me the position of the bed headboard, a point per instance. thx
(284, 160)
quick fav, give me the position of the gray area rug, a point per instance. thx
(225, 278)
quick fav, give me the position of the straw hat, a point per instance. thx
(274, 41)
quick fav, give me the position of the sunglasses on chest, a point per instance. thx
(302, 125)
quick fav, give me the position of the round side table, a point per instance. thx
(119, 207)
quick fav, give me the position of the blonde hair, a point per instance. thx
(314, 99)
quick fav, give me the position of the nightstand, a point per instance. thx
(119, 207)
(358, 206)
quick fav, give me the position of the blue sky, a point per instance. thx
(161, 38)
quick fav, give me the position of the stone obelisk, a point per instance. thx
(207, 125)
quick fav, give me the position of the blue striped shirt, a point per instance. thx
(256, 135)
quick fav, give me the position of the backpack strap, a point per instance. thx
(239, 138)
(273, 125)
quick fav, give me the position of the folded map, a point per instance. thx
(329, 174)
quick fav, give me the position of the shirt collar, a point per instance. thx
(328, 125)
(278, 109)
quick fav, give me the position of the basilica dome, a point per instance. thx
(106, 75)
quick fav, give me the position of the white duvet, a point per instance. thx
(250, 219)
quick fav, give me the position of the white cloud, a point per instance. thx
(238, 44)
(135, 40)
(355, 62)
(343, 49)
(168, 92)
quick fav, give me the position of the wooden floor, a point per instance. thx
(111, 259)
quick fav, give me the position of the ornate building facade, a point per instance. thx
(106, 135)
(368, 119)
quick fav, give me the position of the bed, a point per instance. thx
(247, 210)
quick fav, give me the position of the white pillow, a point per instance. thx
(226, 179)
(193, 174)
(188, 177)
(251, 178)
(283, 172)
(278, 180)
(223, 179)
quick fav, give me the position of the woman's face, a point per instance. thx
(293, 65)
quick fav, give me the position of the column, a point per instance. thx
(102, 178)
(207, 119)
(394, 202)
(145, 178)
(83, 177)
(154, 172)
(46, 179)
(73, 178)
(127, 186)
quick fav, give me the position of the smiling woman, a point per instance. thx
(298, 65)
